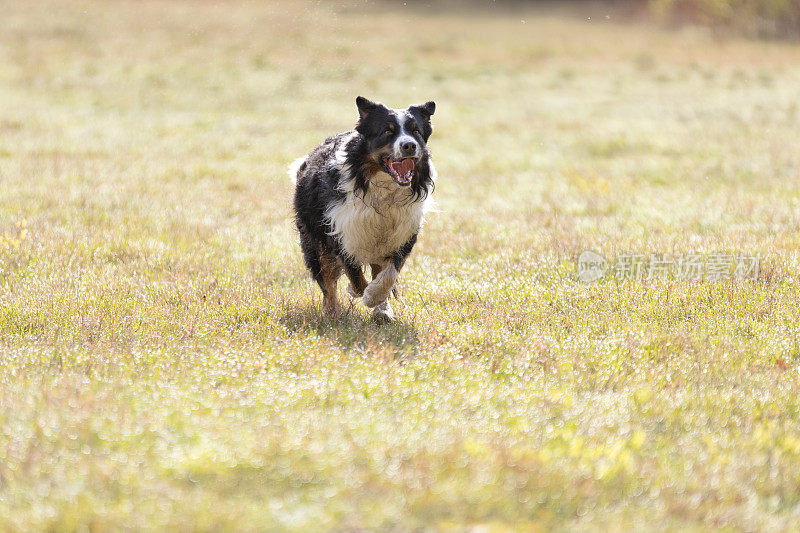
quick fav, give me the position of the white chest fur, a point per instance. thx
(372, 228)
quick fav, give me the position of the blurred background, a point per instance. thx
(757, 18)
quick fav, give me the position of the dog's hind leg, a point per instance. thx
(330, 270)
(324, 268)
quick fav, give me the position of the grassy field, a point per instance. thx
(163, 361)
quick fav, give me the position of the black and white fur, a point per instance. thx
(360, 199)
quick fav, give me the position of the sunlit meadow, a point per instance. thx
(164, 364)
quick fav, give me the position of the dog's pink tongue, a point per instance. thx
(403, 167)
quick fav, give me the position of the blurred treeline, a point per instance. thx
(760, 18)
(753, 18)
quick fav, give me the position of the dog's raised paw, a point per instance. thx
(379, 288)
(383, 313)
(374, 295)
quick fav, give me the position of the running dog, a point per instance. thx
(360, 199)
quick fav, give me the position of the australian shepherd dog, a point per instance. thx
(360, 199)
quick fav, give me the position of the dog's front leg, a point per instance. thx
(384, 276)
(357, 281)
(380, 287)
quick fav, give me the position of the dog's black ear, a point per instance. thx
(365, 107)
(426, 110)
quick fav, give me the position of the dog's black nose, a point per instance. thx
(409, 148)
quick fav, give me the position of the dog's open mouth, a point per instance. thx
(401, 171)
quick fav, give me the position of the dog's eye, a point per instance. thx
(388, 131)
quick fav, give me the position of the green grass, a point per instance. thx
(164, 364)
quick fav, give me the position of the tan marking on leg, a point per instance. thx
(356, 291)
(376, 269)
(331, 270)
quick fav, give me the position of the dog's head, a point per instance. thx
(396, 139)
